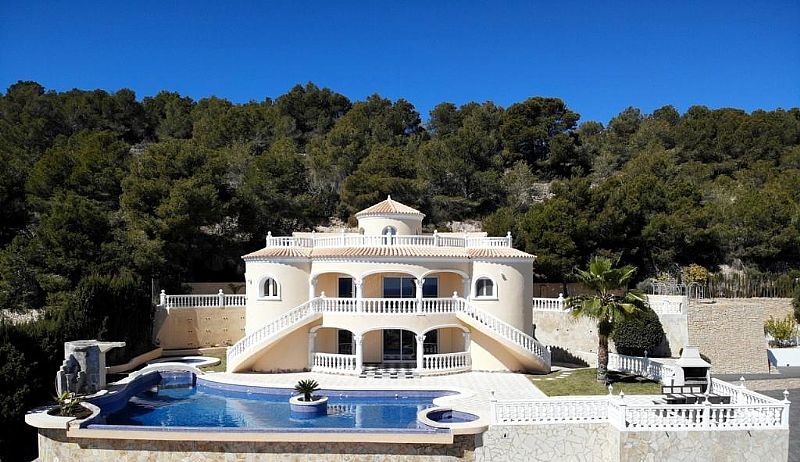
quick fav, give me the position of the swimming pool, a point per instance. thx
(181, 400)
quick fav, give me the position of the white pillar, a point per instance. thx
(358, 339)
(420, 352)
(467, 341)
(359, 283)
(312, 346)
(221, 298)
(465, 282)
(163, 298)
(419, 283)
(312, 288)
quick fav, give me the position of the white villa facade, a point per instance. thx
(388, 295)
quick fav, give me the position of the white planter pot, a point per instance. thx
(308, 409)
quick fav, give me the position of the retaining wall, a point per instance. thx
(730, 331)
(189, 328)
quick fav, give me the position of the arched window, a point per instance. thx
(484, 288)
(270, 289)
(389, 231)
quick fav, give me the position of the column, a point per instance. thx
(419, 283)
(359, 283)
(358, 339)
(420, 352)
(312, 346)
(465, 282)
(467, 341)
(312, 288)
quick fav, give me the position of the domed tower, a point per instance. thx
(390, 218)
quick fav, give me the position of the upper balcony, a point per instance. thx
(328, 240)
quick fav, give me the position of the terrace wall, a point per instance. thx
(730, 331)
(189, 328)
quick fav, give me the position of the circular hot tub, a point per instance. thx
(449, 416)
(458, 422)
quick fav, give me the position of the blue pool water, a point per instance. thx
(175, 401)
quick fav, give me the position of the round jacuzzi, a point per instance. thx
(458, 422)
(449, 416)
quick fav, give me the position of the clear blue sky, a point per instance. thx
(598, 56)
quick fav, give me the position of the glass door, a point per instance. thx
(399, 345)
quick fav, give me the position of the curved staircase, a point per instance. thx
(527, 349)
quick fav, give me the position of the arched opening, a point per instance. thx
(269, 288)
(485, 288)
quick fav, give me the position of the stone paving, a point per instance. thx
(477, 387)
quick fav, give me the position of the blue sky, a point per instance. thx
(600, 57)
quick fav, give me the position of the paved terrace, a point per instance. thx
(476, 387)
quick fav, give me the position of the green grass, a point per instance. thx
(584, 382)
(219, 367)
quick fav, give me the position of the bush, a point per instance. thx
(639, 334)
(796, 303)
(781, 330)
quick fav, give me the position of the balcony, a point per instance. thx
(431, 364)
(360, 240)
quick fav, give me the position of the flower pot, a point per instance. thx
(308, 409)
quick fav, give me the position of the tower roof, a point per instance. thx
(389, 207)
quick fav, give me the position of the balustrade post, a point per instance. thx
(785, 413)
(162, 299)
(623, 406)
(312, 346)
(509, 242)
(269, 238)
(420, 352)
(419, 283)
(358, 339)
(221, 298)
(560, 301)
(493, 408)
(436, 238)
(359, 283)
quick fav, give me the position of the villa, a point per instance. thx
(356, 310)
(388, 297)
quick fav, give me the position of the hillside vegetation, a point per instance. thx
(104, 197)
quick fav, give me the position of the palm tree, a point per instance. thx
(605, 306)
(307, 389)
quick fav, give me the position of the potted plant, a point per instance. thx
(69, 405)
(305, 404)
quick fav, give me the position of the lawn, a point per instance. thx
(219, 367)
(583, 382)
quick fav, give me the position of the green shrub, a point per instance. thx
(782, 330)
(637, 335)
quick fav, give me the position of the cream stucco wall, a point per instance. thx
(404, 224)
(289, 354)
(293, 279)
(513, 282)
(187, 328)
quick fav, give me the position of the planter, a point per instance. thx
(308, 409)
(80, 413)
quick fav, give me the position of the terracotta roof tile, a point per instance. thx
(279, 252)
(497, 252)
(389, 206)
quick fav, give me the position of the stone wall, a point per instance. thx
(189, 328)
(577, 338)
(586, 442)
(54, 446)
(550, 442)
(672, 446)
(730, 332)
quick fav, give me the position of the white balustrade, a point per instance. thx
(763, 412)
(641, 365)
(203, 300)
(336, 305)
(446, 362)
(548, 304)
(360, 240)
(330, 362)
(273, 328)
(507, 331)
(389, 305)
(551, 410)
(440, 305)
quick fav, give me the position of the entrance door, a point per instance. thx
(399, 345)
